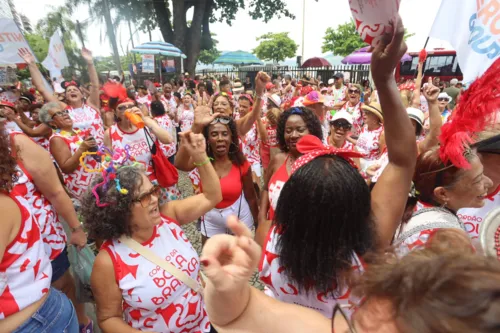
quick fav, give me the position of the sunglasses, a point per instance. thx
(341, 124)
(353, 91)
(122, 108)
(442, 99)
(145, 198)
(59, 113)
(222, 120)
(341, 316)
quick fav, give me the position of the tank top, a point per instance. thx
(186, 118)
(251, 146)
(44, 214)
(272, 140)
(166, 123)
(41, 140)
(10, 126)
(368, 143)
(472, 217)
(276, 183)
(153, 300)
(25, 270)
(86, 118)
(346, 145)
(279, 287)
(79, 180)
(138, 146)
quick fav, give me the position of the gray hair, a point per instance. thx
(44, 115)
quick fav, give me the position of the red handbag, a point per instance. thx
(166, 174)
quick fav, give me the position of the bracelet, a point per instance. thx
(208, 160)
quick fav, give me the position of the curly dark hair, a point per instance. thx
(112, 221)
(324, 218)
(8, 163)
(236, 156)
(311, 120)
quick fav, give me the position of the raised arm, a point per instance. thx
(94, 100)
(418, 85)
(37, 78)
(42, 130)
(431, 93)
(188, 210)
(390, 194)
(243, 125)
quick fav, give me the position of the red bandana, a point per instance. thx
(312, 147)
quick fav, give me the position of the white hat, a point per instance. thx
(275, 99)
(445, 95)
(342, 115)
(331, 81)
(454, 82)
(238, 87)
(416, 115)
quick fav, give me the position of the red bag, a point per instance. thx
(166, 174)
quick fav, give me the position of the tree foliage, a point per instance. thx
(207, 57)
(276, 47)
(344, 40)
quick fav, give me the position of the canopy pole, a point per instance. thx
(182, 65)
(161, 80)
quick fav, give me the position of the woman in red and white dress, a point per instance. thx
(125, 134)
(132, 293)
(369, 142)
(37, 189)
(68, 145)
(340, 127)
(293, 124)
(269, 147)
(84, 113)
(353, 107)
(163, 119)
(185, 113)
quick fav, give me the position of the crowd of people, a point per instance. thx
(359, 204)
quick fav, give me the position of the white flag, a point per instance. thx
(56, 58)
(11, 41)
(473, 29)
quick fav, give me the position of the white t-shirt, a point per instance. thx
(472, 217)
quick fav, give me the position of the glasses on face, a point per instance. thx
(145, 198)
(353, 91)
(122, 108)
(222, 120)
(59, 113)
(340, 316)
(341, 124)
(442, 99)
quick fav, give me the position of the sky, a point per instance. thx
(418, 17)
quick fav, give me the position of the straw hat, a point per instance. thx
(374, 108)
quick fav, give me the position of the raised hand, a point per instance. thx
(87, 55)
(203, 117)
(27, 56)
(260, 83)
(431, 92)
(195, 145)
(229, 261)
(388, 53)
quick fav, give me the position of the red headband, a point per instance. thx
(312, 147)
(247, 96)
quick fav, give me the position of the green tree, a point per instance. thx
(39, 45)
(344, 40)
(276, 47)
(170, 17)
(207, 57)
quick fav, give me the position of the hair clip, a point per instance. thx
(123, 191)
(296, 111)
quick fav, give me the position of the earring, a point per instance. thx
(444, 204)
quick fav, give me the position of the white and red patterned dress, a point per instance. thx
(25, 270)
(10, 126)
(251, 146)
(87, 118)
(166, 123)
(144, 100)
(139, 149)
(154, 300)
(369, 145)
(170, 106)
(78, 181)
(279, 287)
(186, 118)
(42, 141)
(357, 117)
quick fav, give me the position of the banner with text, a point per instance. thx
(473, 29)
(148, 63)
(56, 58)
(11, 40)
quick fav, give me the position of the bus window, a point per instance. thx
(409, 67)
(456, 68)
(439, 65)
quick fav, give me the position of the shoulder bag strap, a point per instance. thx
(168, 267)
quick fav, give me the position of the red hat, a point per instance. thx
(116, 91)
(313, 97)
(269, 86)
(7, 103)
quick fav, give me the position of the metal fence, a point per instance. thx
(355, 73)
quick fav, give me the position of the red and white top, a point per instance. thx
(153, 300)
(166, 123)
(87, 118)
(79, 180)
(11, 127)
(170, 106)
(368, 143)
(42, 141)
(279, 287)
(25, 270)
(346, 145)
(138, 146)
(145, 100)
(272, 140)
(357, 117)
(472, 217)
(276, 183)
(251, 146)
(186, 118)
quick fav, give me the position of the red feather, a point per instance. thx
(422, 56)
(477, 108)
(115, 90)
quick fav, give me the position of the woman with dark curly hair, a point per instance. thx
(235, 174)
(132, 293)
(292, 125)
